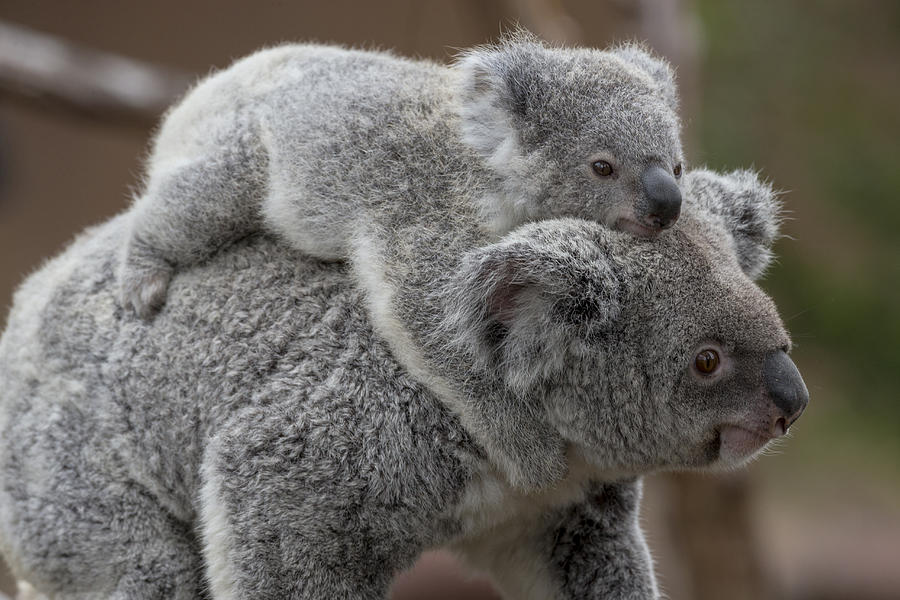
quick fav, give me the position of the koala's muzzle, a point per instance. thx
(662, 196)
(785, 388)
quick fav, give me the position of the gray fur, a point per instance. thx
(744, 205)
(498, 309)
(314, 143)
(258, 439)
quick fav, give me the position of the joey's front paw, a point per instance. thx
(142, 288)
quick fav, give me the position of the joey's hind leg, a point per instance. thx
(190, 209)
(144, 277)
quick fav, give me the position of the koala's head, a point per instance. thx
(642, 354)
(574, 133)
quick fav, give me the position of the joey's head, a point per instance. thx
(642, 354)
(575, 132)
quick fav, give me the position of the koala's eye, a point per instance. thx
(602, 168)
(677, 170)
(707, 361)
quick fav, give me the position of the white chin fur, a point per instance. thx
(738, 444)
(636, 229)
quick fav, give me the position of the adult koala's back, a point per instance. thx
(105, 421)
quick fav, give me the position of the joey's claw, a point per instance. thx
(144, 291)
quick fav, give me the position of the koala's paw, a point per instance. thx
(142, 288)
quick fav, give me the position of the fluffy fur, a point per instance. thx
(258, 439)
(314, 143)
(742, 204)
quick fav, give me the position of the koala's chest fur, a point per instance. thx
(490, 504)
(501, 528)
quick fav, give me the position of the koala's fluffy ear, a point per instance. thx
(657, 68)
(515, 307)
(747, 208)
(517, 302)
(499, 85)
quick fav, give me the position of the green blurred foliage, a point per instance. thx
(809, 93)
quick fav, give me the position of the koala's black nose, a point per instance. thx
(785, 387)
(663, 197)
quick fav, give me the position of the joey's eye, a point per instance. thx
(677, 170)
(602, 168)
(707, 361)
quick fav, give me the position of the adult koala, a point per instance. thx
(258, 440)
(317, 144)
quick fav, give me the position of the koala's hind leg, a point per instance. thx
(112, 544)
(76, 526)
(190, 209)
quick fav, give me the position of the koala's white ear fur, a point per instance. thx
(486, 112)
(493, 290)
(746, 206)
(502, 311)
(657, 68)
(499, 83)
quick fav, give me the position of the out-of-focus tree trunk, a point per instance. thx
(711, 521)
(6, 581)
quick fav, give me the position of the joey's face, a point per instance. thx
(574, 133)
(618, 161)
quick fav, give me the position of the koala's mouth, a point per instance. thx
(634, 228)
(738, 443)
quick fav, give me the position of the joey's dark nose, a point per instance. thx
(785, 388)
(663, 197)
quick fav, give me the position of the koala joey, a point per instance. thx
(259, 440)
(314, 142)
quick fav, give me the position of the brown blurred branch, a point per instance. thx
(547, 18)
(105, 86)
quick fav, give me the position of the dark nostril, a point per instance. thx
(779, 428)
(793, 417)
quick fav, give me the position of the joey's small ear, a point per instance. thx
(657, 68)
(499, 85)
(747, 207)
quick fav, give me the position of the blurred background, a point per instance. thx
(808, 93)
